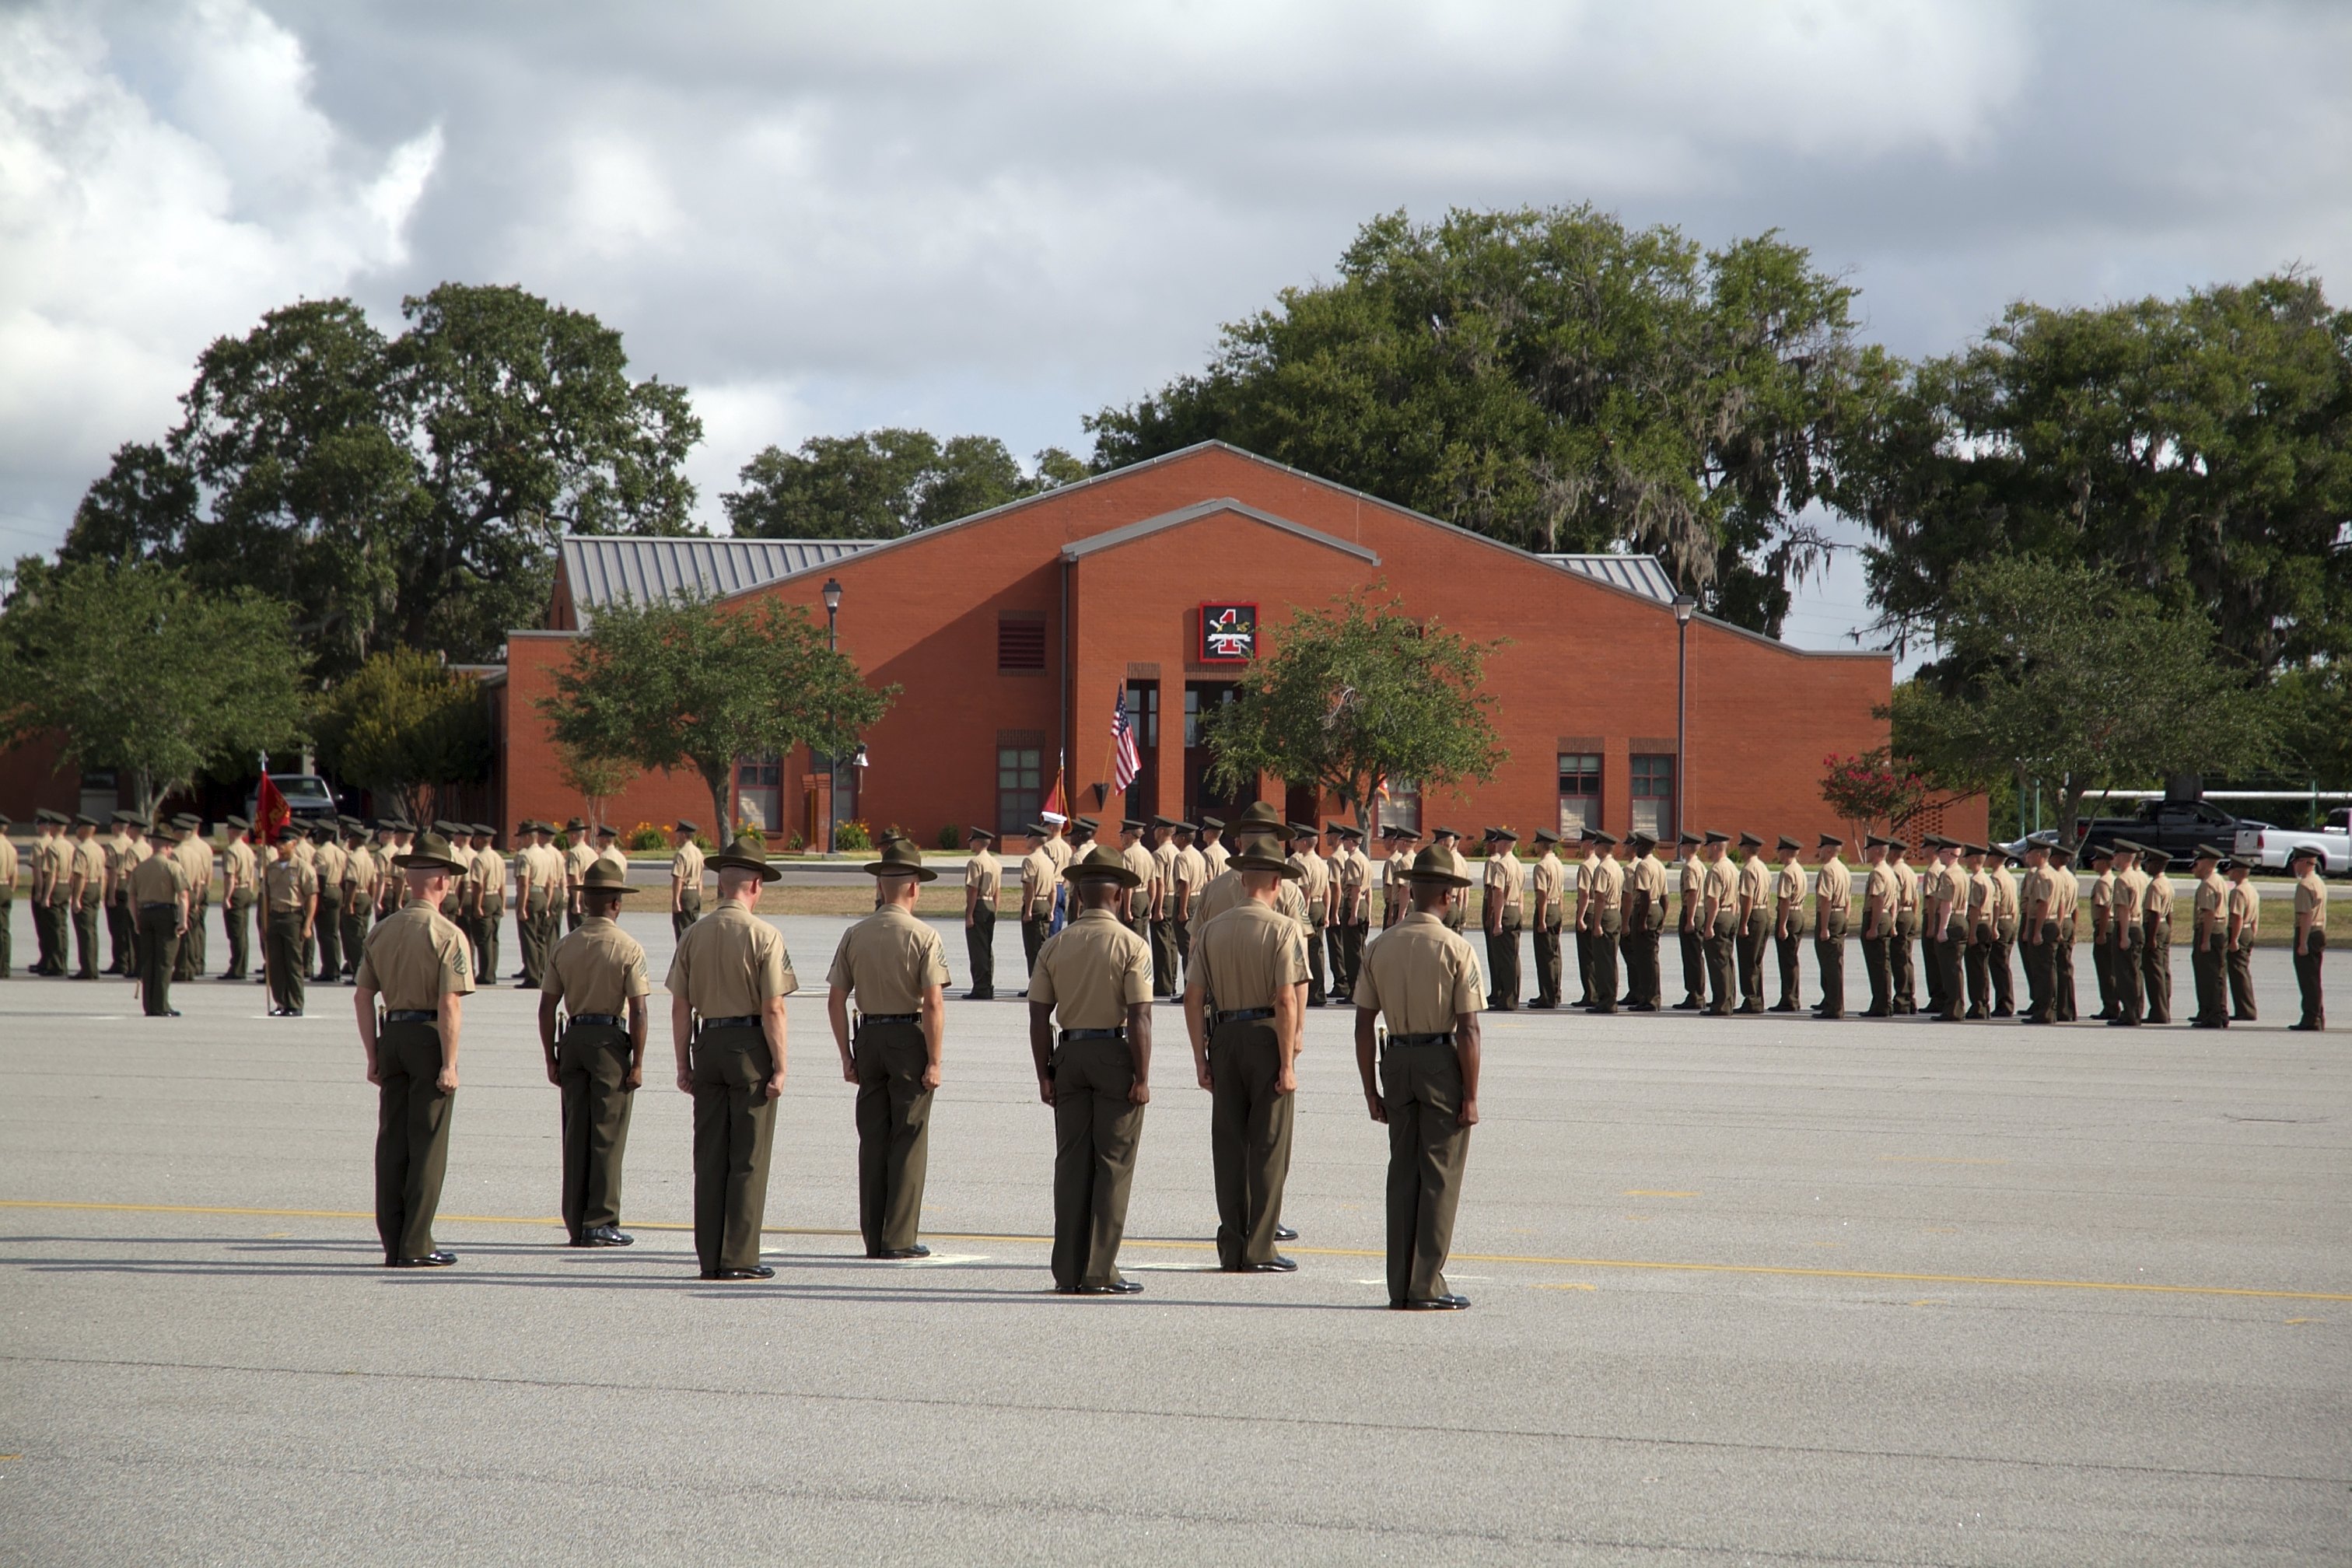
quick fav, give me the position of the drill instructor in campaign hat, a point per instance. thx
(895, 968)
(419, 963)
(728, 983)
(1245, 1009)
(1093, 978)
(592, 1022)
(1422, 980)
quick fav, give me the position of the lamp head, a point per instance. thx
(1684, 607)
(832, 595)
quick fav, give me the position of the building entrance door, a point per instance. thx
(1200, 797)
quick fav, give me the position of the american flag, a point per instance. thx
(1124, 760)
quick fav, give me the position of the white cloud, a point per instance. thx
(136, 226)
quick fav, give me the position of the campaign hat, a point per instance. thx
(1250, 860)
(432, 853)
(1102, 863)
(748, 853)
(604, 876)
(1437, 864)
(899, 858)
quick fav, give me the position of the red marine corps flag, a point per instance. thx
(270, 811)
(1056, 810)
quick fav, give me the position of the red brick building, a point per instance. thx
(1015, 632)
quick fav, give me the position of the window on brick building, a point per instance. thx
(760, 791)
(1020, 642)
(1400, 807)
(1653, 798)
(1579, 792)
(1020, 787)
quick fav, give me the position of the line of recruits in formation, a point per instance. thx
(1417, 992)
(1106, 930)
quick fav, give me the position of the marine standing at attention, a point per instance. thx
(1137, 857)
(984, 883)
(1039, 878)
(2100, 860)
(2037, 933)
(685, 879)
(1548, 892)
(592, 1022)
(1505, 889)
(1606, 914)
(240, 887)
(1192, 875)
(2245, 922)
(893, 967)
(417, 963)
(8, 870)
(577, 857)
(1351, 898)
(1881, 895)
(2155, 929)
(1245, 1011)
(1690, 928)
(290, 901)
(2310, 936)
(1092, 977)
(2129, 933)
(1422, 1080)
(86, 893)
(1645, 922)
(1788, 920)
(362, 876)
(158, 892)
(1945, 891)
(1755, 922)
(2209, 929)
(2066, 913)
(728, 983)
(1214, 853)
(1161, 897)
(329, 862)
(1315, 888)
(1833, 905)
(1720, 919)
(1906, 962)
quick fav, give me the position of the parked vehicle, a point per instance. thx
(2175, 826)
(2270, 847)
(307, 798)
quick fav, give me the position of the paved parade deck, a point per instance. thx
(1747, 1290)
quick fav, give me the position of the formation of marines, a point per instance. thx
(1247, 937)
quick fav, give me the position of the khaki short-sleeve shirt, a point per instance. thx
(329, 863)
(2070, 894)
(1647, 874)
(1193, 871)
(1057, 849)
(1247, 955)
(1787, 888)
(241, 863)
(9, 867)
(2156, 902)
(1756, 884)
(2102, 893)
(413, 959)
(1504, 885)
(1418, 976)
(1979, 892)
(1907, 885)
(984, 876)
(1547, 887)
(2005, 895)
(1215, 856)
(90, 865)
(888, 960)
(1834, 886)
(611, 856)
(1885, 890)
(196, 859)
(1720, 886)
(158, 879)
(286, 886)
(576, 861)
(2130, 896)
(1608, 890)
(686, 865)
(1314, 884)
(2246, 909)
(1165, 858)
(2212, 898)
(1138, 859)
(599, 968)
(1091, 972)
(2311, 898)
(729, 965)
(1037, 874)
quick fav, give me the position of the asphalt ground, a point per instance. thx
(1746, 1290)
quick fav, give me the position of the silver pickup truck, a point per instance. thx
(2270, 847)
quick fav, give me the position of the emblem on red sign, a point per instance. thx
(1228, 634)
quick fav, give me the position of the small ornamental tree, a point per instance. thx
(1873, 788)
(596, 779)
(404, 724)
(1354, 695)
(687, 683)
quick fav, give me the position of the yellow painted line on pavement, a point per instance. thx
(1659, 1265)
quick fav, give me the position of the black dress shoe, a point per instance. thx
(1284, 1233)
(900, 1254)
(762, 1272)
(979, 995)
(1278, 1264)
(430, 1261)
(172, 1013)
(1123, 1288)
(1434, 1304)
(604, 1235)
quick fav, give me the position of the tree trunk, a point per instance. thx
(721, 830)
(2071, 792)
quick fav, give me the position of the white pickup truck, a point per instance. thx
(2270, 847)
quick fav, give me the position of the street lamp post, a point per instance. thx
(1684, 607)
(832, 614)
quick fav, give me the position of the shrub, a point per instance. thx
(645, 836)
(951, 837)
(852, 834)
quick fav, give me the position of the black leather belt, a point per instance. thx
(739, 1021)
(165, 904)
(1243, 1014)
(1069, 1035)
(891, 1017)
(601, 1020)
(1445, 1038)
(410, 1015)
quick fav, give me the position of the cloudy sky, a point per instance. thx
(998, 217)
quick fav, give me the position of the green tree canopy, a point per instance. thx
(402, 726)
(686, 683)
(2055, 672)
(2199, 450)
(1559, 381)
(880, 484)
(1354, 695)
(399, 491)
(133, 667)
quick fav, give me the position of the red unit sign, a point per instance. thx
(1228, 634)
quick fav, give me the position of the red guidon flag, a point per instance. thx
(270, 811)
(1056, 809)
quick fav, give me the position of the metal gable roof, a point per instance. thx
(1118, 536)
(1639, 575)
(602, 569)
